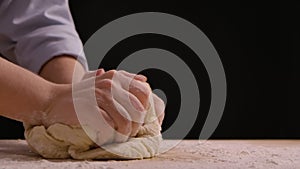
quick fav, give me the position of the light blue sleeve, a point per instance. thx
(34, 31)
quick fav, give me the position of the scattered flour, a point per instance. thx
(215, 154)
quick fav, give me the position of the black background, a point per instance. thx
(259, 49)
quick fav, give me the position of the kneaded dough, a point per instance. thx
(62, 141)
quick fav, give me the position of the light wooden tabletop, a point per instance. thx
(281, 154)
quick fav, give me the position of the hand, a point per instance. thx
(125, 97)
(159, 104)
(110, 89)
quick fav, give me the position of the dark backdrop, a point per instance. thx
(259, 48)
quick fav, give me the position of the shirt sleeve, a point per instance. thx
(34, 31)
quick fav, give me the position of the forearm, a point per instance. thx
(23, 94)
(60, 70)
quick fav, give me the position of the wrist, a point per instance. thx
(41, 117)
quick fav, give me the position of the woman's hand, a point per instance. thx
(122, 100)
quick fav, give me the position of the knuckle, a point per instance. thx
(146, 90)
(112, 72)
(104, 83)
(122, 71)
(107, 82)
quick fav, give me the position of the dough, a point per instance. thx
(62, 141)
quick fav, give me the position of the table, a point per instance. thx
(211, 154)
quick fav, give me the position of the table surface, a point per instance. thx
(212, 154)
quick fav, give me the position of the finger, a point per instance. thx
(95, 73)
(123, 127)
(107, 75)
(100, 72)
(104, 84)
(142, 91)
(89, 74)
(132, 105)
(116, 112)
(107, 118)
(90, 84)
(91, 116)
(134, 76)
